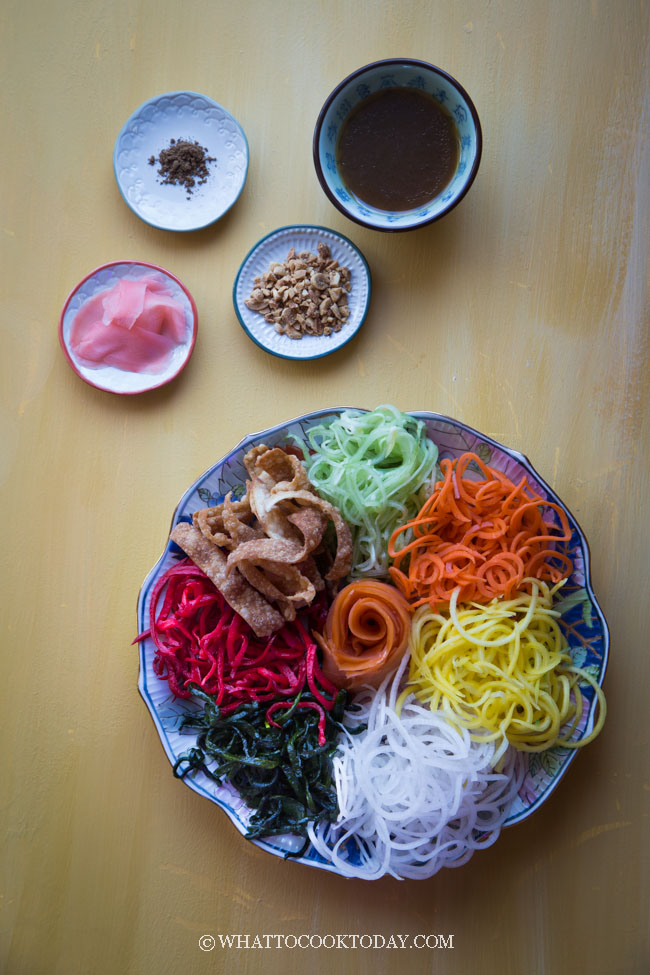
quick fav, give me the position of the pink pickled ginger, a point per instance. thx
(134, 326)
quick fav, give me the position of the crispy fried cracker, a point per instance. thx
(283, 585)
(311, 524)
(248, 602)
(278, 478)
(259, 550)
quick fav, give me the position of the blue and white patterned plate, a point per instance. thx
(193, 117)
(583, 621)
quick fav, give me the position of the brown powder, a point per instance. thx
(183, 163)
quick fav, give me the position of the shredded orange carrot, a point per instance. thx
(480, 537)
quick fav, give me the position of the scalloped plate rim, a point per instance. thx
(124, 129)
(313, 416)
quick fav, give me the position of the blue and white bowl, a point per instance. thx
(396, 73)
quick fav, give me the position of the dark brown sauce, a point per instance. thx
(398, 149)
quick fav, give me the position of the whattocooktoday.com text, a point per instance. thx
(209, 942)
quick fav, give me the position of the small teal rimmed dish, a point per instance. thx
(373, 78)
(184, 115)
(274, 247)
(582, 621)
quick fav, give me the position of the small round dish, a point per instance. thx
(274, 248)
(406, 73)
(582, 619)
(109, 378)
(189, 116)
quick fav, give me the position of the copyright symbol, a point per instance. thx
(206, 942)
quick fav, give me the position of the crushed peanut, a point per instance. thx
(307, 294)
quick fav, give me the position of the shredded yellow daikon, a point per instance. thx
(503, 671)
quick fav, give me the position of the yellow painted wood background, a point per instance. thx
(523, 313)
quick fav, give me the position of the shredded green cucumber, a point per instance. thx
(373, 467)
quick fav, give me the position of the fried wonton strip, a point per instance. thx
(310, 570)
(258, 613)
(227, 523)
(268, 550)
(277, 469)
(210, 524)
(281, 584)
(272, 471)
(290, 581)
(343, 561)
(311, 524)
(259, 581)
(272, 518)
(237, 518)
(278, 479)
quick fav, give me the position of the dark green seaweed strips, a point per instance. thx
(283, 773)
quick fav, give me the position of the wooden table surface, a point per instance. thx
(523, 313)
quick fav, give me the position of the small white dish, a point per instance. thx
(195, 118)
(109, 378)
(275, 247)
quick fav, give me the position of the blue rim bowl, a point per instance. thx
(396, 73)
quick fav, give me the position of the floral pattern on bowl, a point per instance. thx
(582, 621)
(367, 81)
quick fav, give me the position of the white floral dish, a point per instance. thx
(110, 378)
(275, 247)
(193, 117)
(582, 620)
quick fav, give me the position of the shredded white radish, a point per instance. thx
(415, 793)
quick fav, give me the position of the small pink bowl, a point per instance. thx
(110, 378)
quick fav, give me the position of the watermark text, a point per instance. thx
(208, 942)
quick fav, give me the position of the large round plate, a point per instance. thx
(583, 620)
(180, 115)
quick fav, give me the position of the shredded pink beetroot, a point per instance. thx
(200, 639)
